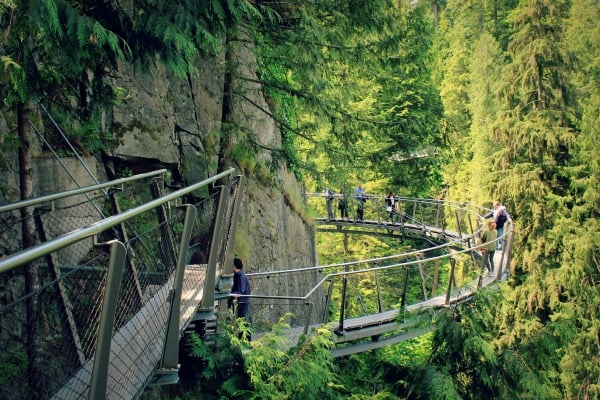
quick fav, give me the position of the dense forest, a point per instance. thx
(466, 100)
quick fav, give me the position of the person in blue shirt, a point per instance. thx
(241, 286)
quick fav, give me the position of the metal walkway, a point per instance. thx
(97, 307)
(446, 271)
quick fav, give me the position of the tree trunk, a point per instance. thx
(30, 270)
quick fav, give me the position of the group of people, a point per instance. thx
(492, 234)
(359, 195)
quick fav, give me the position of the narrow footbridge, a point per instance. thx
(99, 283)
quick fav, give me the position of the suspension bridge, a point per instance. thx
(97, 306)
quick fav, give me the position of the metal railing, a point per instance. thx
(447, 271)
(86, 315)
(66, 211)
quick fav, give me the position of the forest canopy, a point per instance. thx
(467, 100)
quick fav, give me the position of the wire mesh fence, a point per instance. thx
(52, 306)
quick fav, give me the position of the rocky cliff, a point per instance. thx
(164, 121)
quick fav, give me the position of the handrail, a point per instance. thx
(377, 259)
(72, 192)
(66, 239)
(405, 264)
(361, 271)
(350, 263)
(460, 204)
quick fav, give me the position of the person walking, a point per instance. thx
(489, 246)
(390, 202)
(343, 205)
(361, 198)
(240, 289)
(329, 196)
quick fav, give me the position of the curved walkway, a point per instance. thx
(451, 252)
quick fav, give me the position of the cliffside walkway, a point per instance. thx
(397, 293)
(118, 271)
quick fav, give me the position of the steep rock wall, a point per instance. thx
(167, 122)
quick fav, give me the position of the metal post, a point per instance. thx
(507, 249)
(120, 229)
(404, 289)
(229, 254)
(379, 300)
(443, 217)
(458, 230)
(61, 290)
(208, 297)
(107, 320)
(307, 323)
(422, 278)
(452, 263)
(171, 345)
(167, 245)
(325, 318)
(343, 305)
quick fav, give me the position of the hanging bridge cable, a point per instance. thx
(69, 143)
(83, 163)
(43, 139)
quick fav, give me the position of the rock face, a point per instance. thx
(167, 122)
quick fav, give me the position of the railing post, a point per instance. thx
(379, 301)
(229, 254)
(422, 218)
(443, 217)
(325, 318)
(405, 288)
(507, 249)
(170, 356)
(122, 232)
(307, 323)
(458, 230)
(208, 296)
(422, 279)
(116, 265)
(167, 245)
(452, 263)
(343, 305)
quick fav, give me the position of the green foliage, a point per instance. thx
(273, 368)
(303, 372)
(12, 366)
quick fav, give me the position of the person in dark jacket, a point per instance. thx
(329, 196)
(343, 205)
(240, 288)
(390, 202)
